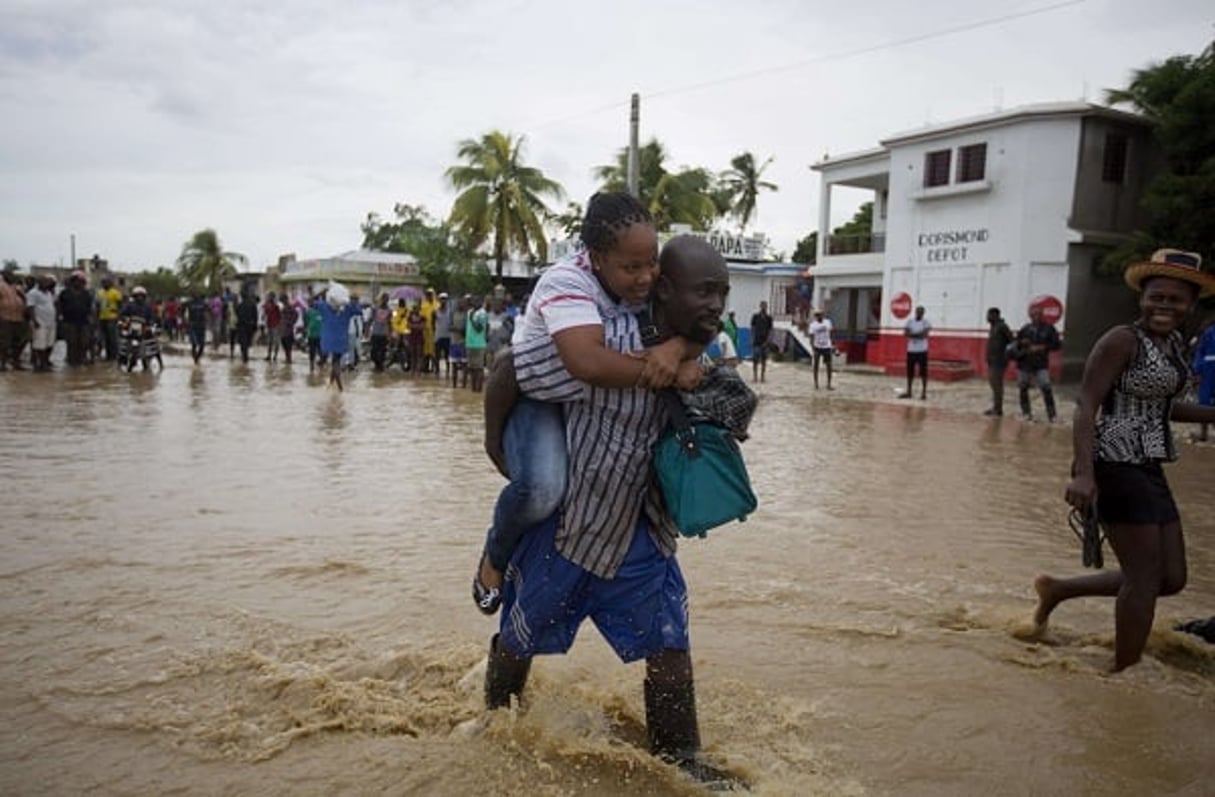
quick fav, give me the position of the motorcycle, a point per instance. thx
(138, 341)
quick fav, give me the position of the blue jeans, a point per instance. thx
(1041, 377)
(534, 445)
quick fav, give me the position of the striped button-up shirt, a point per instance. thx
(610, 433)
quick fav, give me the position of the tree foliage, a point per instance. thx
(446, 264)
(163, 283)
(1178, 96)
(203, 263)
(568, 223)
(501, 199)
(683, 197)
(741, 184)
(806, 251)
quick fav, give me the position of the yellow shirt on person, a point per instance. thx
(428, 309)
(400, 321)
(109, 301)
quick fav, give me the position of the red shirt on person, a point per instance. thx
(274, 315)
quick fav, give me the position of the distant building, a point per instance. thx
(364, 271)
(991, 211)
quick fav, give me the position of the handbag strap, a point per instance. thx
(675, 410)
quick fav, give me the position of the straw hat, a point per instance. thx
(1184, 266)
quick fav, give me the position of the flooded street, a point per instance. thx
(232, 579)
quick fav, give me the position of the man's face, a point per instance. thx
(919, 313)
(1035, 314)
(693, 297)
(763, 307)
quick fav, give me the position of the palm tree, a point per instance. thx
(204, 263)
(651, 169)
(742, 184)
(500, 196)
(684, 197)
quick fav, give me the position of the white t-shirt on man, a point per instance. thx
(728, 353)
(820, 333)
(918, 345)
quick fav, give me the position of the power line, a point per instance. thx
(839, 56)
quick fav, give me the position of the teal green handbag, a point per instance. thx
(701, 473)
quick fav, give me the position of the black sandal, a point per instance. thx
(1088, 530)
(488, 599)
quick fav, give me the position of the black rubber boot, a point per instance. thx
(1048, 398)
(505, 675)
(674, 734)
(1026, 410)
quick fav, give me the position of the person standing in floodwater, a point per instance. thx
(274, 317)
(999, 337)
(820, 341)
(335, 333)
(285, 330)
(1133, 376)
(1035, 341)
(916, 330)
(312, 329)
(197, 313)
(246, 324)
(761, 338)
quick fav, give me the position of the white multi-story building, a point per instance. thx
(1000, 211)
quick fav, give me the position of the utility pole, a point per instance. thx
(73, 263)
(634, 164)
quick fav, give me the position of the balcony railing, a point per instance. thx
(856, 244)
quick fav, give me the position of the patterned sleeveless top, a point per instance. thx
(1134, 423)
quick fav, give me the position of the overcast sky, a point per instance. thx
(134, 123)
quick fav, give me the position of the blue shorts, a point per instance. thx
(457, 352)
(640, 612)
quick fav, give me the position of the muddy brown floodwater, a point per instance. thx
(234, 580)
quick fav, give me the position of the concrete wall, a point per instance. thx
(1095, 304)
(1102, 206)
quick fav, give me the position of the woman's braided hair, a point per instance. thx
(608, 213)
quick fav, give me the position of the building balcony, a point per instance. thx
(856, 244)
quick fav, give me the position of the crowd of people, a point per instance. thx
(433, 335)
(36, 312)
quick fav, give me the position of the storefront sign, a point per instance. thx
(735, 247)
(398, 269)
(365, 268)
(900, 306)
(950, 246)
(1051, 307)
(748, 249)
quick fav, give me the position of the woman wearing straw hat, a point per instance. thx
(1132, 375)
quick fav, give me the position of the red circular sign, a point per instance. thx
(1051, 307)
(900, 305)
